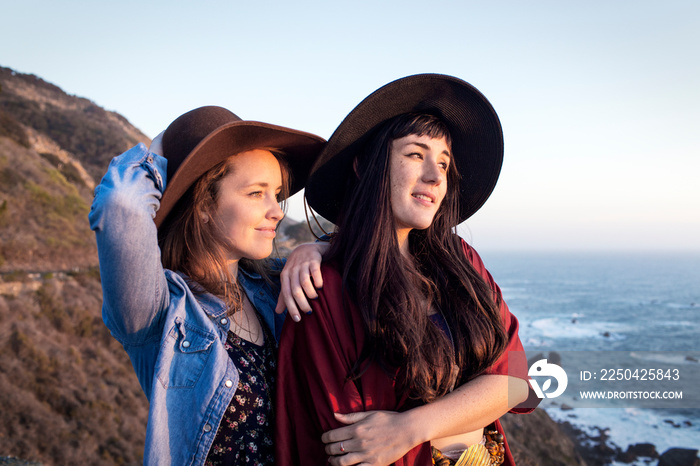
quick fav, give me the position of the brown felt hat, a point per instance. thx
(477, 138)
(202, 138)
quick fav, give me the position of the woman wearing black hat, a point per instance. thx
(410, 342)
(182, 241)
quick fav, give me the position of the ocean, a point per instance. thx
(622, 302)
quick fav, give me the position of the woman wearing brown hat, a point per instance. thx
(182, 241)
(410, 345)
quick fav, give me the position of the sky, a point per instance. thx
(599, 100)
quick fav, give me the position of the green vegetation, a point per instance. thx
(68, 171)
(61, 218)
(68, 205)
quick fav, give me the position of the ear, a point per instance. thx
(204, 217)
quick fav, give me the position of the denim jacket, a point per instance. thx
(175, 339)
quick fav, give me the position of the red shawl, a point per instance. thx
(315, 356)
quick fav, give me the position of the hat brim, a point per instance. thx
(299, 150)
(477, 139)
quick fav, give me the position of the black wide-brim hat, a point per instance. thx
(202, 138)
(477, 139)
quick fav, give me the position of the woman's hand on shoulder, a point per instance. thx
(374, 438)
(300, 278)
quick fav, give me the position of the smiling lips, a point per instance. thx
(427, 199)
(267, 231)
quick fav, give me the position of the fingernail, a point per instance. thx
(296, 318)
(309, 312)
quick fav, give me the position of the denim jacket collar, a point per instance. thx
(215, 308)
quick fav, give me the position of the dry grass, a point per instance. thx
(69, 394)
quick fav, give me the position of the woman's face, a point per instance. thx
(247, 209)
(418, 172)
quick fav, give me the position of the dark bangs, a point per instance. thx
(420, 124)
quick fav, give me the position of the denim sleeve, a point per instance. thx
(134, 287)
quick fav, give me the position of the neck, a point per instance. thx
(402, 238)
(233, 267)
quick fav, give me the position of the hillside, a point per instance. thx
(68, 394)
(56, 122)
(67, 391)
(53, 148)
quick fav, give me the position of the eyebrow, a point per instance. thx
(260, 184)
(425, 146)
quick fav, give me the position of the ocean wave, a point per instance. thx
(558, 327)
(628, 426)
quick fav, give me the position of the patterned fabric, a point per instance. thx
(490, 452)
(246, 430)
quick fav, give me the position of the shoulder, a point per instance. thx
(331, 271)
(475, 260)
(275, 264)
(472, 256)
(332, 301)
(333, 287)
(261, 274)
(335, 323)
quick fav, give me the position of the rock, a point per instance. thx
(606, 334)
(626, 457)
(679, 457)
(646, 450)
(536, 439)
(603, 450)
(691, 359)
(565, 407)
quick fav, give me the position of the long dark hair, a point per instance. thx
(197, 248)
(393, 293)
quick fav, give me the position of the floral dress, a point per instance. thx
(246, 430)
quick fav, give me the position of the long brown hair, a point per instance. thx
(196, 247)
(393, 294)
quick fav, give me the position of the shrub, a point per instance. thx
(86, 275)
(11, 128)
(3, 214)
(52, 310)
(17, 276)
(9, 178)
